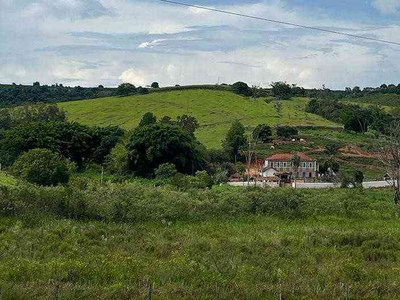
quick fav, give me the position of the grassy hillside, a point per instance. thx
(215, 111)
(219, 244)
(387, 100)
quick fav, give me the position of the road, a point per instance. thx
(317, 185)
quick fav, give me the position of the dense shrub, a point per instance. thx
(42, 167)
(241, 88)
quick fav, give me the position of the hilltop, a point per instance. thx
(214, 109)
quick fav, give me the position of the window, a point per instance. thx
(277, 164)
(304, 174)
(304, 165)
(285, 165)
(310, 165)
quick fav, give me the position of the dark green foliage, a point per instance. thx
(42, 167)
(76, 142)
(148, 119)
(357, 119)
(358, 177)
(125, 89)
(235, 140)
(218, 156)
(165, 171)
(331, 165)
(354, 117)
(155, 85)
(156, 144)
(344, 179)
(262, 133)
(332, 148)
(103, 139)
(5, 119)
(286, 131)
(281, 90)
(14, 95)
(241, 88)
(188, 123)
(142, 91)
(41, 112)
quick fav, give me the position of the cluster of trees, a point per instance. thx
(284, 91)
(383, 89)
(14, 95)
(354, 117)
(45, 127)
(281, 90)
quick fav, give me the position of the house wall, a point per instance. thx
(305, 170)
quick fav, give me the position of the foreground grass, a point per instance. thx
(227, 243)
(246, 258)
(215, 111)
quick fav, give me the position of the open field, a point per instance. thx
(385, 100)
(215, 111)
(229, 243)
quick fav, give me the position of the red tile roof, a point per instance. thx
(288, 156)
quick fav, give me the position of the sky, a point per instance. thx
(93, 42)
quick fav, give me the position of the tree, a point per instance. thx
(286, 131)
(125, 89)
(74, 141)
(357, 119)
(281, 90)
(235, 140)
(155, 85)
(165, 171)
(43, 167)
(147, 119)
(156, 144)
(188, 123)
(332, 148)
(142, 91)
(241, 88)
(389, 154)
(295, 161)
(313, 106)
(358, 177)
(5, 119)
(262, 133)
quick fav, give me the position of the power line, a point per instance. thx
(280, 22)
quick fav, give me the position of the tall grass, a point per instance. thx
(108, 242)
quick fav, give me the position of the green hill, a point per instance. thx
(215, 111)
(386, 100)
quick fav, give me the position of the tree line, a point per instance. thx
(353, 117)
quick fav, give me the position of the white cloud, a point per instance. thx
(133, 76)
(175, 45)
(387, 6)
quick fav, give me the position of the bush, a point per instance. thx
(241, 88)
(43, 167)
(286, 131)
(165, 171)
